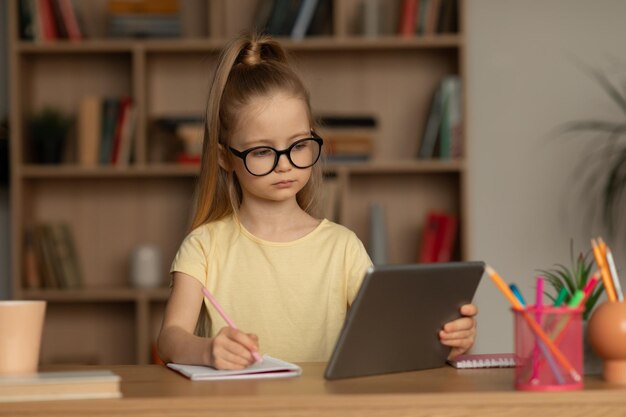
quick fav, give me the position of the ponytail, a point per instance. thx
(250, 66)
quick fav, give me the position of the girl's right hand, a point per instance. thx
(232, 349)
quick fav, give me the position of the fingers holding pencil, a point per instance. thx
(233, 349)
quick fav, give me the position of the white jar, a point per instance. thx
(146, 267)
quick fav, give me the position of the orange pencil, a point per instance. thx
(531, 322)
(604, 271)
(610, 266)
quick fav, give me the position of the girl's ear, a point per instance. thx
(222, 158)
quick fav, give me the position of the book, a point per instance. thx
(127, 136)
(446, 237)
(407, 17)
(438, 237)
(70, 20)
(110, 110)
(268, 368)
(122, 115)
(377, 234)
(428, 247)
(431, 133)
(89, 130)
(450, 130)
(322, 21)
(303, 19)
(45, 256)
(27, 23)
(32, 277)
(46, 386)
(66, 260)
(483, 360)
(48, 27)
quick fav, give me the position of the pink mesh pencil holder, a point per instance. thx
(552, 361)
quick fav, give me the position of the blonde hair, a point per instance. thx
(250, 66)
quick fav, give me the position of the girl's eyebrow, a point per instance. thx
(271, 142)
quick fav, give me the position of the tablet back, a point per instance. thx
(394, 321)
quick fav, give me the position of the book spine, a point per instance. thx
(303, 19)
(378, 234)
(68, 14)
(429, 139)
(89, 130)
(407, 18)
(428, 248)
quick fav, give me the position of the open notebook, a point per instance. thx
(269, 368)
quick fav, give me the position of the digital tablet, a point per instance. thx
(395, 319)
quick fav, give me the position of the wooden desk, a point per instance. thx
(152, 390)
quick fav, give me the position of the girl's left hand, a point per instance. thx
(460, 333)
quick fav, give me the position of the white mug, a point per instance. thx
(146, 267)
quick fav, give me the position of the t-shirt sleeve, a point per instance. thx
(191, 258)
(358, 262)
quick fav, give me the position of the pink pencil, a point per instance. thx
(227, 319)
(538, 311)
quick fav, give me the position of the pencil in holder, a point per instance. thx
(548, 363)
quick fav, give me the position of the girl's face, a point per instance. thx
(276, 121)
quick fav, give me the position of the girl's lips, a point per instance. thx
(283, 184)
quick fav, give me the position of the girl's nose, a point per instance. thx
(283, 163)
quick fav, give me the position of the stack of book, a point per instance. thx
(438, 237)
(106, 130)
(49, 386)
(49, 20)
(144, 18)
(443, 136)
(348, 138)
(50, 259)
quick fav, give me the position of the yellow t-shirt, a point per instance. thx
(293, 295)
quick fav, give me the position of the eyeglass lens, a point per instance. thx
(302, 154)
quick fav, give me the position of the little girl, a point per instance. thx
(275, 268)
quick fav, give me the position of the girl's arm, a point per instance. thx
(229, 349)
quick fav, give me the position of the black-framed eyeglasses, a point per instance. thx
(261, 160)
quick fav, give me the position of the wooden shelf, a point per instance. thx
(33, 171)
(43, 172)
(184, 45)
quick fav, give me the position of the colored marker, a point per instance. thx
(561, 297)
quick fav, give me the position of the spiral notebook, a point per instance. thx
(484, 360)
(268, 368)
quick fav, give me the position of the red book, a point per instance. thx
(407, 18)
(122, 119)
(446, 237)
(428, 249)
(69, 19)
(49, 30)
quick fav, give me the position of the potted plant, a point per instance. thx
(604, 166)
(575, 278)
(49, 129)
(572, 278)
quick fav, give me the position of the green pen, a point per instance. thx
(561, 297)
(576, 299)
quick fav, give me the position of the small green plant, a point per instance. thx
(49, 129)
(573, 278)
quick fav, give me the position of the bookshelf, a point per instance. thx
(112, 209)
